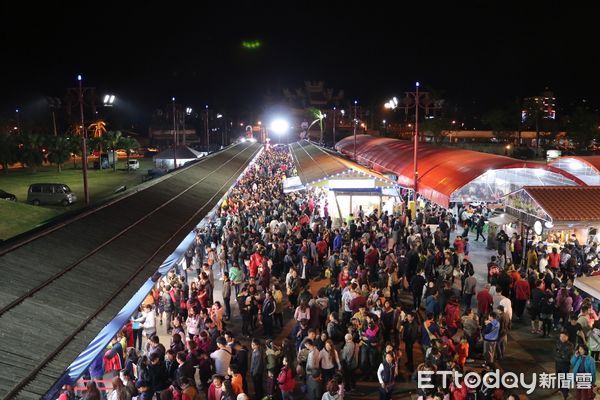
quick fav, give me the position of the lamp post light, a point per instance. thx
(174, 134)
(84, 160)
(416, 143)
(223, 129)
(18, 121)
(108, 100)
(334, 112)
(206, 130)
(355, 122)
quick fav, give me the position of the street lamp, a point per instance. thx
(355, 122)
(188, 111)
(280, 126)
(334, 112)
(86, 192)
(18, 121)
(109, 99)
(174, 134)
(206, 128)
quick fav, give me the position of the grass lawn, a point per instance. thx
(20, 217)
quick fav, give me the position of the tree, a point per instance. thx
(128, 144)
(582, 127)
(59, 150)
(31, 153)
(112, 140)
(8, 150)
(501, 123)
(98, 130)
(75, 148)
(319, 117)
(436, 126)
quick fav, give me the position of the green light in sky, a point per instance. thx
(251, 44)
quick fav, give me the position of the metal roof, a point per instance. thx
(568, 203)
(315, 163)
(62, 286)
(442, 170)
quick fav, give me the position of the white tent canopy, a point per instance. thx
(183, 154)
(590, 285)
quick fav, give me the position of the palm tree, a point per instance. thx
(8, 150)
(128, 144)
(112, 140)
(59, 150)
(98, 130)
(319, 117)
(31, 153)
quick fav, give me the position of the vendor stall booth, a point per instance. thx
(557, 215)
(346, 187)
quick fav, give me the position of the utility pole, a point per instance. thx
(355, 121)
(18, 121)
(416, 144)
(86, 193)
(174, 136)
(206, 128)
(413, 99)
(334, 111)
(183, 114)
(54, 122)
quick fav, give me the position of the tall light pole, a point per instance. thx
(188, 111)
(174, 135)
(334, 112)
(18, 121)
(84, 166)
(206, 127)
(416, 143)
(355, 122)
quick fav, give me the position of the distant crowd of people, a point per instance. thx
(376, 298)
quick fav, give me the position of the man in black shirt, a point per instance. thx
(562, 356)
(410, 332)
(574, 331)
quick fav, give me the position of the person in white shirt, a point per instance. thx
(222, 357)
(330, 361)
(543, 263)
(147, 321)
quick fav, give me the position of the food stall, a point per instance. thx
(556, 215)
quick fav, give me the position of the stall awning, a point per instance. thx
(318, 166)
(590, 285)
(292, 184)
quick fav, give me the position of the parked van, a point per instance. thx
(50, 193)
(133, 164)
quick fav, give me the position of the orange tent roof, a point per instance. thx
(442, 170)
(567, 203)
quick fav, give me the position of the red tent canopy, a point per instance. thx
(441, 170)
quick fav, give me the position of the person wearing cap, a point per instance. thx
(144, 392)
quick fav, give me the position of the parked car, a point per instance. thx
(133, 164)
(7, 196)
(50, 193)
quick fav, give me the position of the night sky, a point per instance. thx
(145, 54)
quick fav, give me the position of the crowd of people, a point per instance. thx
(379, 297)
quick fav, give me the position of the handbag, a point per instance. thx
(405, 283)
